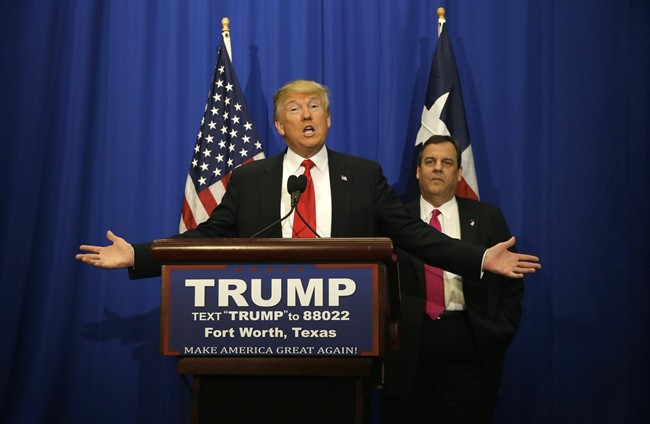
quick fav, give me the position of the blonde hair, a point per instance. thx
(303, 87)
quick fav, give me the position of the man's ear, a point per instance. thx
(279, 127)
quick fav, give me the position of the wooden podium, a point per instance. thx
(280, 388)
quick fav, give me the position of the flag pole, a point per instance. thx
(441, 19)
(225, 33)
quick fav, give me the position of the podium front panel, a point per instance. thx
(271, 309)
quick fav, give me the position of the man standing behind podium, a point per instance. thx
(449, 367)
(352, 199)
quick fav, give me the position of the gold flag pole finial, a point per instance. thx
(441, 19)
(225, 25)
(225, 34)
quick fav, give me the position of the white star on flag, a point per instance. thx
(431, 123)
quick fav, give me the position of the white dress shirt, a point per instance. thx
(321, 177)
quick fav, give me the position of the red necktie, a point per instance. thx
(306, 206)
(434, 280)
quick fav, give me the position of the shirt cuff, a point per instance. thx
(482, 262)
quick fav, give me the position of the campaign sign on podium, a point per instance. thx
(307, 319)
(263, 309)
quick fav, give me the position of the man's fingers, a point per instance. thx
(89, 256)
(92, 259)
(521, 270)
(88, 248)
(529, 265)
(88, 259)
(527, 258)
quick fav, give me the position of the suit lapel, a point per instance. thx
(341, 189)
(469, 220)
(271, 187)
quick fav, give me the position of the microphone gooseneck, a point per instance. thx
(293, 187)
(296, 185)
(302, 185)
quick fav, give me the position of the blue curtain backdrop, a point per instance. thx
(100, 105)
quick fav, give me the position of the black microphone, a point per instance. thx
(294, 188)
(297, 189)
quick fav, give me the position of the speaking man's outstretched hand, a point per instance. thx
(117, 255)
(499, 260)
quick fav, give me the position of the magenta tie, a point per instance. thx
(306, 206)
(434, 280)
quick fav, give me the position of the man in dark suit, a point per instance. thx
(353, 199)
(449, 368)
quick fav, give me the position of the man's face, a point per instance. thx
(303, 122)
(438, 174)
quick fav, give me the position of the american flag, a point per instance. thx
(226, 140)
(444, 111)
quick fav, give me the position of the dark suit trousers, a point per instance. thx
(450, 385)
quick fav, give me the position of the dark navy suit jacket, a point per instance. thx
(493, 303)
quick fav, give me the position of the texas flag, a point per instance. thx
(444, 112)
